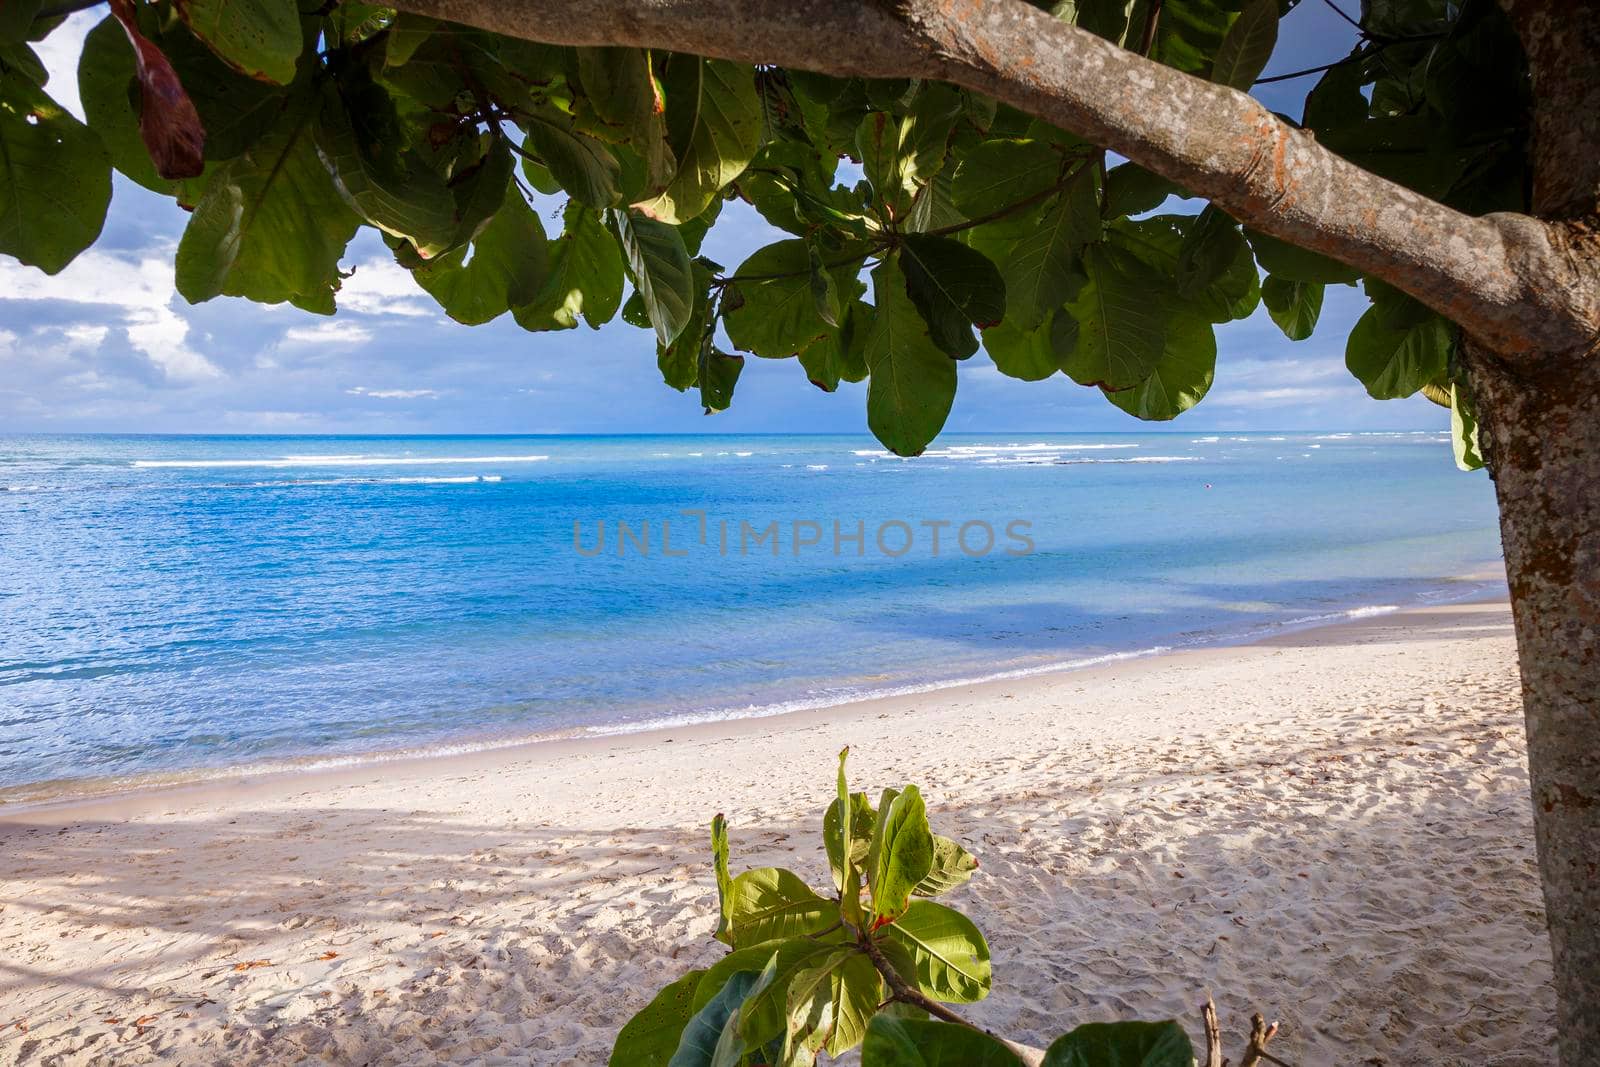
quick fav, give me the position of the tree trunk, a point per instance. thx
(1541, 436)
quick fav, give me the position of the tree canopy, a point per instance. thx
(924, 220)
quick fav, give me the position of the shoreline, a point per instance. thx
(1487, 586)
(1329, 826)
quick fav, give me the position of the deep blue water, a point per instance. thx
(178, 603)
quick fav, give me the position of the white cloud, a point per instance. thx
(328, 333)
(383, 287)
(395, 394)
(143, 292)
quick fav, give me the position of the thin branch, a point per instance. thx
(1150, 21)
(1256, 1050)
(1337, 10)
(1310, 70)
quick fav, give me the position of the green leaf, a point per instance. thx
(901, 855)
(703, 1032)
(1159, 241)
(359, 140)
(763, 1016)
(1297, 264)
(1129, 1044)
(714, 128)
(661, 272)
(952, 867)
(651, 1037)
(235, 110)
(271, 225)
(841, 844)
(862, 820)
(585, 276)
(1132, 190)
(911, 383)
(16, 20)
(1247, 46)
(1038, 267)
(773, 904)
(719, 372)
(1336, 100)
(584, 166)
(1182, 375)
(260, 38)
(1002, 172)
(1210, 245)
(954, 288)
(1294, 306)
(893, 1042)
(1464, 429)
(840, 356)
(947, 958)
(829, 1005)
(1396, 361)
(1031, 355)
(508, 265)
(779, 316)
(55, 178)
(1121, 330)
(719, 863)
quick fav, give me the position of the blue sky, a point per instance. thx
(109, 346)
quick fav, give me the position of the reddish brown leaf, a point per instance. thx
(168, 122)
(251, 965)
(329, 955)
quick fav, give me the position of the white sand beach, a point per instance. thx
(1331, 826)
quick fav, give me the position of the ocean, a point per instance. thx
(183, 606)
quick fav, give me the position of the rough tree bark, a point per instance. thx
(1525, 289)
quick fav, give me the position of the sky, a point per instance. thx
(109, 346)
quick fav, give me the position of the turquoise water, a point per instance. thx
(172, 604)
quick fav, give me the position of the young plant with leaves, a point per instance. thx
(870, 961)
(1447, 166)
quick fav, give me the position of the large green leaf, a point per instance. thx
(840, 356)
(1000, 173)
(955, 288)
(260, 38)
(830, 1003)
(1121, 330)
(388, 185)
(1159, 242)
(1395, 361)
(911, 383)
(585, 166)
(271, 225)
(703, 1033)
(661, 272)
(1294, 306)
(234, 109)
(719, 864)
(901, 854)
(1031, 355)
(900, 157)
(952, 867)
(763, 1017)
(508, 265)
(893, 1042)
(1129, 1044)
(1182, 375)
(1248, 45)
(1038, 267)
(773, 904)
(585, 276)
(1132, 190)
(627, 103)
(779, 316)
(651, 1037)
(55, 178)
(714, 128)
(943, 953)
(1211, 244)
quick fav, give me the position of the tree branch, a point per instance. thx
(1504, 278)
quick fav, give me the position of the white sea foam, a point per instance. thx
(465, 479)
(816, 466)
(337, 461)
